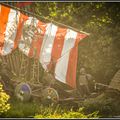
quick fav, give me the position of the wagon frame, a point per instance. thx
(24, 71)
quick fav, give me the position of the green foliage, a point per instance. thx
(107, 105)
(60, 113)
(50, 110)
(4, 105)
(22, 110)
(36, 110)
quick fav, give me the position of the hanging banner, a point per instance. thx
(55, 47)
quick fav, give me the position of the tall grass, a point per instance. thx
(22, 110)
(62, 113)
(37, 110)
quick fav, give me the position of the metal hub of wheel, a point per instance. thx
(23, 92)
(50, 94)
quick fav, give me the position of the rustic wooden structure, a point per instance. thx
(25, 75)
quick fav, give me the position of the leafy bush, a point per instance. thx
(79, 114)
(4, 105)
(50, 112)
(22, 109)
(107, 105)
(29, 109)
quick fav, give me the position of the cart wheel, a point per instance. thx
(23, 92)
(50, 95)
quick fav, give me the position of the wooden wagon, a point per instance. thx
(22, 76)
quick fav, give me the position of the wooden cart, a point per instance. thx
(22, 77)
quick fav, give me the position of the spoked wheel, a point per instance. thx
(50, 95)
(23, 92)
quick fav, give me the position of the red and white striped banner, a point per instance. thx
(54, 46)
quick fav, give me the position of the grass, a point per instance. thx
(22, 110)
(67, 114)
(38, 110)
(107, 105)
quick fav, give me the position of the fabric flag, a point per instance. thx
(54, 46)
(10, 26)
